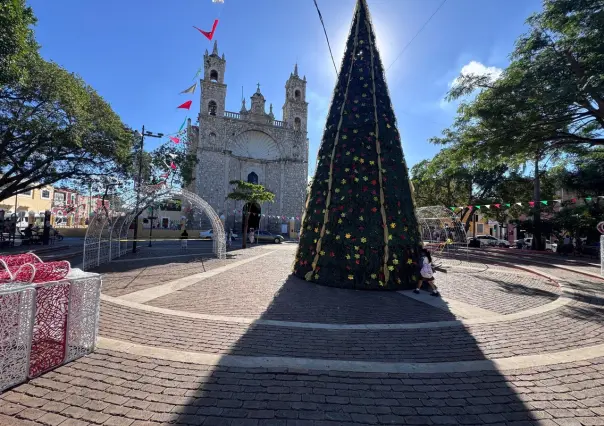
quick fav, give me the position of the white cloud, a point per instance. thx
(477, 68)
(471, 68)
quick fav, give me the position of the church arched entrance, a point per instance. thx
(254, 221)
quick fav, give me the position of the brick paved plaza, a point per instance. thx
(514, 340)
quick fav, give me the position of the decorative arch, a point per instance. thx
(297, 123)
(438, 225)
(252, 177)
(107, 234)
(255, 144)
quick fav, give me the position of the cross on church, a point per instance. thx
(258, 86)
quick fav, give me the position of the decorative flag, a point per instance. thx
(190, 89)
(573, 200)
(172, 165)
(507, 205)
(498, 205)
(183, 124)
(532, 203)
(488, 206)
(470, 207)
(544, 202)
(452, 209)
(210, 34)
(186, 105)
(557, 201)
(173, 139)
(518, 204)
(478, 207)
(462, 207)
(587, 198)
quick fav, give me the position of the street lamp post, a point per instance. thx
(151, 218)
(142, 135)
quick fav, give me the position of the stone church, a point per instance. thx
(253, 146)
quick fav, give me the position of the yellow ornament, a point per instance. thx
(361, 218)
(339, 220)
(337, 190)
(363, 240)
(356, 247)
(343, 214)
(391, 268)
(395, 261)
(356, 179)
(374, 276)
(350, 277)
(347, 236)
(409, 261)
(355, 130)
(347, 152)
(346, 169)
(357, 256)
(316, 276)
(372, 162)
(348, 256)
(343, 181)
(362, 160)
(393, 225)
(337, 237)
(316, 229)
(322, 253)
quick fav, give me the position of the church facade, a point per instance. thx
(250, 145)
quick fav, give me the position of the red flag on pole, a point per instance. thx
(209, 34)
(173, 139)
(172, 165)
(186, 105)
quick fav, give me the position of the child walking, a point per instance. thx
(183, 239)
(427, 273)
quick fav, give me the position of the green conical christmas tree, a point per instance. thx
(359, 229)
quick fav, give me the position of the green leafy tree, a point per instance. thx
(250, 194)
(549, 100)
(17, 42)
(359, 228)
(54, 127)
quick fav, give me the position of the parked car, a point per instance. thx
(488, 240)
(206, 235)
(527, 243)
(268, 237)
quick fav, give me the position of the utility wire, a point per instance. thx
(327, 38)
(417, 33)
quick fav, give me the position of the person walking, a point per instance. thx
(183, 239)
(427, 273)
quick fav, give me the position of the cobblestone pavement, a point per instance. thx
(115, 386)
(132, 275)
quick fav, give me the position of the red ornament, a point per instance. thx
(209, 34)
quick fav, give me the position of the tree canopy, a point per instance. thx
(16, 39)
(54, 127)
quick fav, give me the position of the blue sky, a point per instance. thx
(140, 54)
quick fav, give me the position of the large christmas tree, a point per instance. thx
(359, 229)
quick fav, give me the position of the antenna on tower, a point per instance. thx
(242, 97)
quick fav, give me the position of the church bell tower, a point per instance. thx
(295, 109)
(213, 89)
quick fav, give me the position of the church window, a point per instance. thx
(214, 76)
(297, 123)
(297, 94)
(252, 178)
(212, 107)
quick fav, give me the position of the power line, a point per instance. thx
(327, 38)
(417, 33)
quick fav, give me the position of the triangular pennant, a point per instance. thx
(172, 165)
(470, 207)
(544, 202)
(507, 204)
(173, 139)
(518, 204)
(478, 207)
(209, 34)
(190, 89)
(498, 205)
(488, 206)
(532, 203)
(587, 198)
(461, 207)
(185, 105)
(183, 124)
(557, 201)
(452, 208)
(573, 200)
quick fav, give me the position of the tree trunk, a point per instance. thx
(245, 225)
(537, 209)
